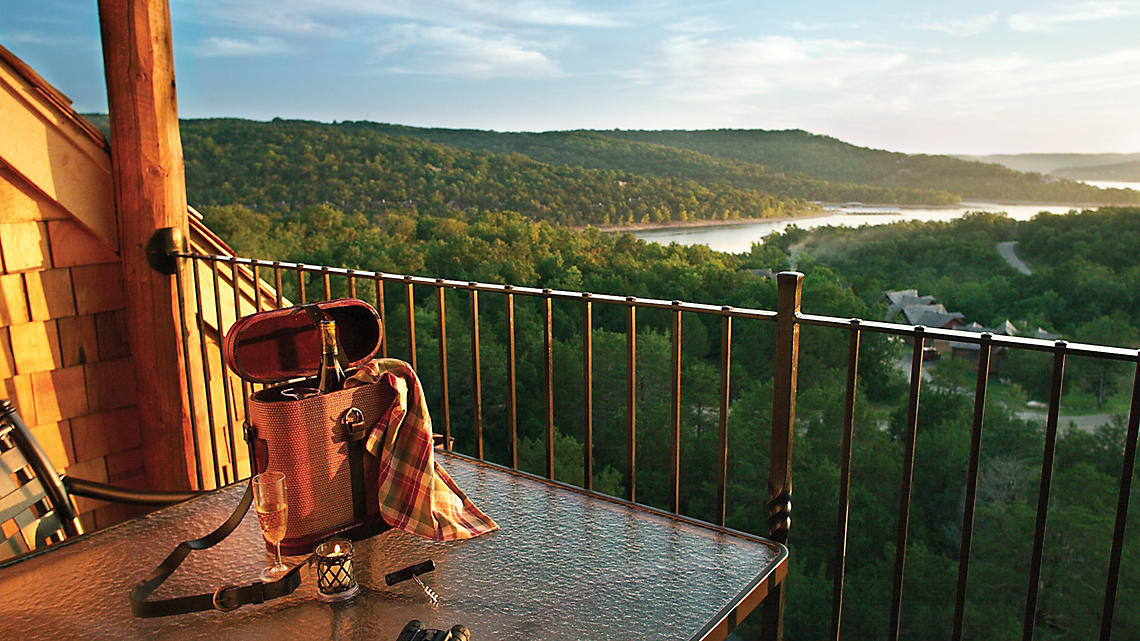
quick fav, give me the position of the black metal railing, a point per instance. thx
(255, 285)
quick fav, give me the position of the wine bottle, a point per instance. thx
(332, 374)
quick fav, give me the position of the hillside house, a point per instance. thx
(906, 306)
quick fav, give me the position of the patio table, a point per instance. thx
(566, 564)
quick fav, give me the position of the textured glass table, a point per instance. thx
(566, 564)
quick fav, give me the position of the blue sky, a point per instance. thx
(929, 77)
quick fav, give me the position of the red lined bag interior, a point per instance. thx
(280, 344)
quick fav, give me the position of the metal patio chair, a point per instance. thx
(36, 509)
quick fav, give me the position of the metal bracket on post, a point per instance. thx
(163, 248)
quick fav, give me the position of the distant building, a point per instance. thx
(970, 351)
(903, 297)
(908, 307)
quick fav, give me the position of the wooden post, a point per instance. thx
(150, 194)
(786, 363)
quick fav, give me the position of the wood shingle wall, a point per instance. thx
(65, 356)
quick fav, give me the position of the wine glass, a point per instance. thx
(272, 515)
(298, 393)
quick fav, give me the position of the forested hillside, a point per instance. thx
(1124, 171)
(604, 150)
(1119, 167)
(830, 159)
(290, 165)
(602, 178)
(1085, 266)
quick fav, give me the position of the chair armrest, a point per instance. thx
(116, 494)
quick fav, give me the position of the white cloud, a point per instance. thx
(714, 70)
(994, 96)
(450, 51)
(31, 38)
(1057, 15)
(51, 39)
(965, 26)
(331, 18)
(696, 25)
(216, 47)
(561, 14)
(478, 38)
(797, 25)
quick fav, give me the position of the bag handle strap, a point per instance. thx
(225, 598)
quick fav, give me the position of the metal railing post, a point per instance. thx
(785, 363)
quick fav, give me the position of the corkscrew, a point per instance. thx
(412, 572)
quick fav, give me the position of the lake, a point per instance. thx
(739, 238)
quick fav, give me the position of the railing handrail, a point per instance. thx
(884, 327)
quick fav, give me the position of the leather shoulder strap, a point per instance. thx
(224, 598)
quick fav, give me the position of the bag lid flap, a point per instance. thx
(280, 344)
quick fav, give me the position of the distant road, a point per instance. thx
(1088, 422)
(1006, 251)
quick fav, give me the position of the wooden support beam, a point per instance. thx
(150, 193)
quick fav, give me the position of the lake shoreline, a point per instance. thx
(830, 209)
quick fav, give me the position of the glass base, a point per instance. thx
(339, 596)
(274, 572)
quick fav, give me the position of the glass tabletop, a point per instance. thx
(566, 564)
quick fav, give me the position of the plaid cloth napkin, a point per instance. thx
(416, 493)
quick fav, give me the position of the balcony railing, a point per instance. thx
(224, 287)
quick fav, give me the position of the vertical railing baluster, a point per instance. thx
(301, 285)
(722, 438)
(631, 396)
(444, 390)
(512, 413)
(410, 301)
(352, 283)
(476, 374)
(980, 390)
(184, 323)
(231, 447)
(256, 288)
(206, 377)
(256, 282)
(326, 286)
(1127, 469)
(907, 481)
(846, 456)
(279, 298)
(587, 392)
(675, 411)
(1044, 490)
(383, 316)
(548, 379)
(785, 366)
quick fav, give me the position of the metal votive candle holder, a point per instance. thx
(335, 579)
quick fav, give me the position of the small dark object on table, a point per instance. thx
(393, 578)
(414, 631)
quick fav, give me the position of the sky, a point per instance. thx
(963, 77)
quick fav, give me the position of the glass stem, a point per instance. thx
(277, 548)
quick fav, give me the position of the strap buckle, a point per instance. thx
(353, 421)
(219, 604)
(249, 431)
